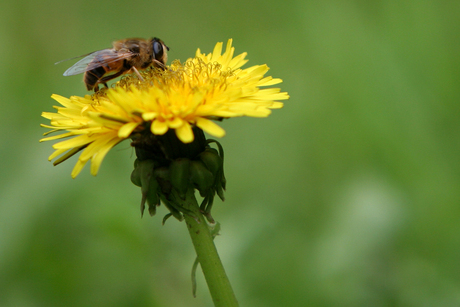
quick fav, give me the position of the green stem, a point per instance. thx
(213, 270)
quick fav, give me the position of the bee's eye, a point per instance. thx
(157, 49)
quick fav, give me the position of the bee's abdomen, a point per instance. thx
(92, 77)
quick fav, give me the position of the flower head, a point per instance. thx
(183, 96)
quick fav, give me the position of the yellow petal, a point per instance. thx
(96, 161)
(77, 168)
(159, 127)
(210, 127)
(127, 129)
(185, 133)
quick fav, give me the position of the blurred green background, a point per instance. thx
(348, 196)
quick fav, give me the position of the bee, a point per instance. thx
(127, 56)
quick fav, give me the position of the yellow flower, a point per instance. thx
(206, 87)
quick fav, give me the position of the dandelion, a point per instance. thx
(165, 115)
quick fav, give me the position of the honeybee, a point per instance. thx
(126, 56)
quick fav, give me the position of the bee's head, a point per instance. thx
(159, 50)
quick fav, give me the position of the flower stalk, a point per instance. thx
(218, 283)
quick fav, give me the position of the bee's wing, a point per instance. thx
(87, 63)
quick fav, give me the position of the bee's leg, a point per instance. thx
(110, 77)
(138, 74)
(158, 64)
(96, 86)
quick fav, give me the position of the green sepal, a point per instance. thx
(152, 196)
(163, 177)
(201, 177)
(221, 176)
(206, 206)
(220, 191)
(145, 169)
(174, 212)
(212, 160)
(180, 175)
(166, 217)
(142, 176)
(167, 178)
(135, 174)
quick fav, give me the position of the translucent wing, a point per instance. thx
(106, 56)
